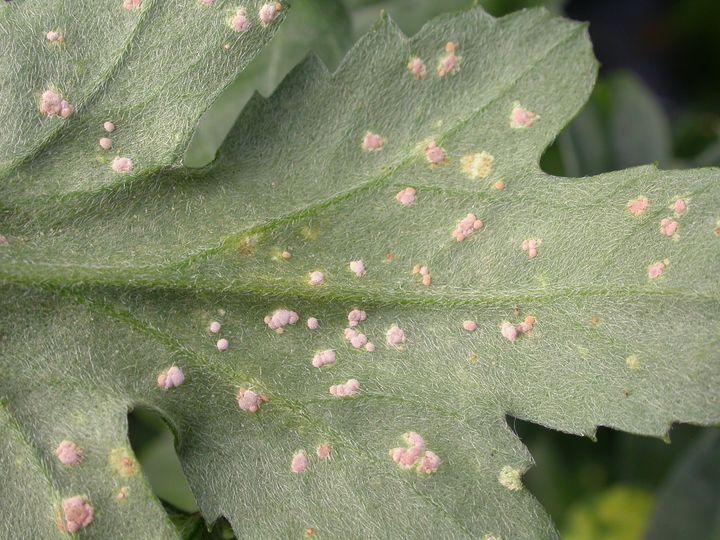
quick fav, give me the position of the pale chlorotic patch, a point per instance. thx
(249, 401)
(268, 12)
(372, 142)
(395, 336)
(415, 455)
(637, 207)
(521, 118)
(347, 389)
(68, 453)
(299, 463)
(78, 513)
(633, 362)
(510, 478)
(239, 21)
(417, 68)
(477, 165)
(53, 105)
(406, 197)
(324, 358)
(122, 165)
(105, 143)
(466, 227)
(449, 63)
(170, 378)
(357, 268)
(122, 462)
(316, 278)
(530, 246)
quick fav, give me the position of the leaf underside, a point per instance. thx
(110, 281)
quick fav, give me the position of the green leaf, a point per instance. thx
(126, 282)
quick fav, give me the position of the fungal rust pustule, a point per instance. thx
(449, 63)
(54, 37)
(637, 207)
(521, 118)
(417, 68)
(415, 455)
(78, 513)
(268, 12)
(280, 319)
(510, 478)
(105, 143)
(109, 127)
(406, 196)
(372, 142)
(470, 326)
(680, 206)
(466, 227)
(68, 453)
(122, 164)
(668, 227)
(324, 358)
(347, 389)
(357, 268)
(130, 5)
(356, 316)
(239, 22)
(249, 401)
(215, 327)
(434, 154)
(53, 105)
(170, 378)
(656, 269)
(530, 246)
(323, 451)
(313, 323)
(222, 344)
(395, 336)
(299, 463)
(316, 278)
(122, 462)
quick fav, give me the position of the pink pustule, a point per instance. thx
(3, 241)
(222, 344)
(429, 463)
(105, 143)
(417, 67)
(370, 346)
(466, 227)
(521, 118)
(170, 378)
(323, 451)
(215, 327)
(299, 463)
(53, 105)
(316, 278)
(109, 127)
(530, 247)
(470, 326)
(286, 255)
(249, 401)
(358, 268)
(656, 269)
(680, 207)
(406, 197)
(131, 4)
(240, 21)
(450, 62)
(638, 207)
(355, 338)
(509, 331)
(313, 324)
(434, 154)
(268, 12)
(347, 389)
(122, 165)
(78, 513)
(372, 142)
(281, 318)
(668, 227)
(395, 336)
(54, 37)
(526, 326)
(68, 453)
(324, 358)
(356, 316)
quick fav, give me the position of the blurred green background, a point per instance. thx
(656, 101)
